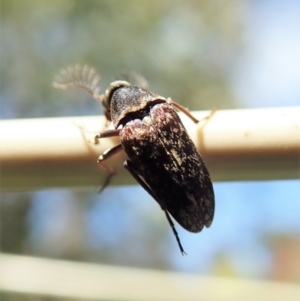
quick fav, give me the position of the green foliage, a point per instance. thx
(184, 49)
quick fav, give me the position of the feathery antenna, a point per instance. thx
(84, 77)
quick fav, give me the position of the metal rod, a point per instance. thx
(237, 145)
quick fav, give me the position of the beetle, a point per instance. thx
(161, 156)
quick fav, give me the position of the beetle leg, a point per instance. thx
(175, 232)
(108, 133)
(107, 154)
(207, 118)
(182, 109)
(105, 134)
(130, 167)
(188, 113)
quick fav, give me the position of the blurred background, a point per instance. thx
(203, 54)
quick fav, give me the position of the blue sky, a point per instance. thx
(268, 72)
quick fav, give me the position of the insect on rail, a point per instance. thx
(161, 156)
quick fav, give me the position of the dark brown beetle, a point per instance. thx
(161, 156)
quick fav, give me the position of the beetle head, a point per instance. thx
(107, 96)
